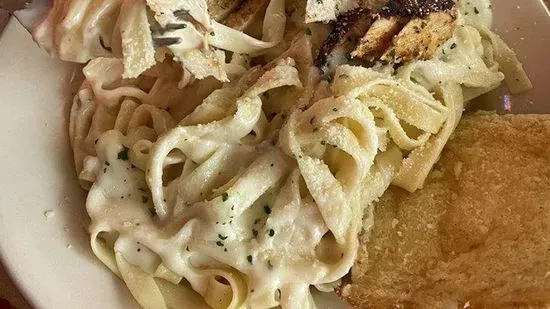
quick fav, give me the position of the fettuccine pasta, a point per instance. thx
(246, 193)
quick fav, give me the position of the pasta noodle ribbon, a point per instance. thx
(246, 193)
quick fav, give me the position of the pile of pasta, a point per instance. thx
(80, 30)
(248, 193)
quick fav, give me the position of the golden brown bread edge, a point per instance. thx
(477, 235)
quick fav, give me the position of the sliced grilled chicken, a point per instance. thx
(245, 13)
(421, 38)
(343, 28)
(401, 39)
(378, 38)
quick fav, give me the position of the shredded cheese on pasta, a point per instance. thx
(248, 193)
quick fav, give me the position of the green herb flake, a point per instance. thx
(255, 233)
(222, 237)
(123, 154)
(249, 259)
(267, 209)
(269, 265)
(308, 31)
(219, 243)
(225, 196)
(271, 233)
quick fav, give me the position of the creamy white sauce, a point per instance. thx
(249, 221)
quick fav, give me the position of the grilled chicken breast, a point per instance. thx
(421, 37)
(401, 39)
(378, 38)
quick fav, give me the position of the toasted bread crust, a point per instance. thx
(476, 236)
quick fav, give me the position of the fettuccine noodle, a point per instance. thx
(247, 193)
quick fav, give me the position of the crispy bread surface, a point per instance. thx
(477, 235)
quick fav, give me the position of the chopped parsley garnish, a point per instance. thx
(123, 154)
(453, 46)
(219, 243)
(225, 196)
(107, 163)
(267, 209)
(222, 237)
(249, 259)
(308, 31)
(255, 232)
(271, 233)
(269, 265)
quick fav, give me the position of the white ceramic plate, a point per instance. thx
(50, 260)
